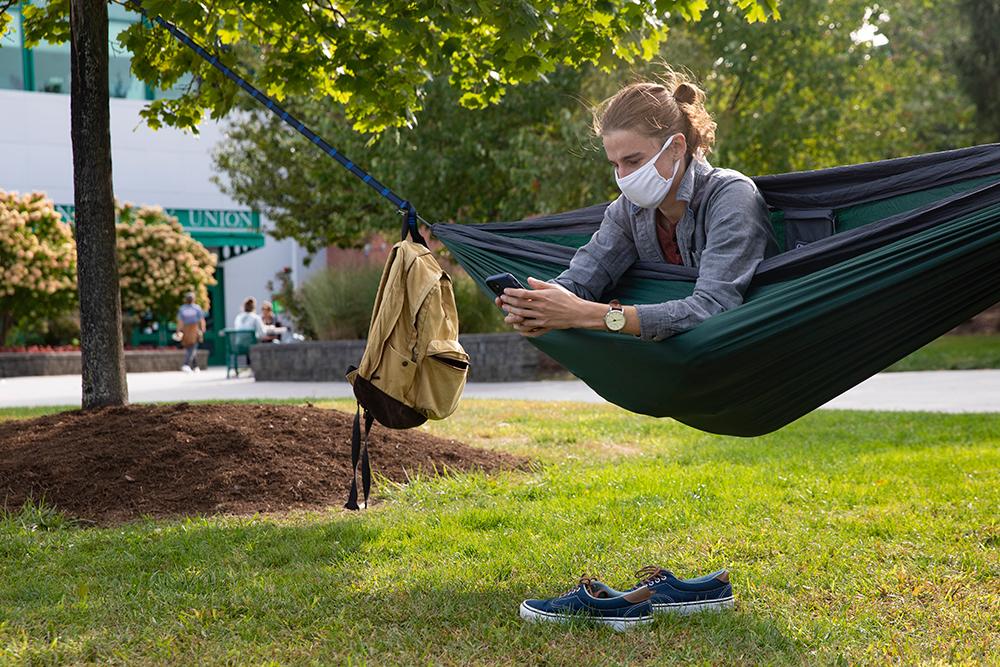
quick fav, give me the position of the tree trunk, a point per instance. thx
(101, 347)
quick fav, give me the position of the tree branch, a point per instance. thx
(328, 6)
(735, 96)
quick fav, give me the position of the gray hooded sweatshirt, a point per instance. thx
(724, 233)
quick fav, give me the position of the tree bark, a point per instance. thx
(101, 346)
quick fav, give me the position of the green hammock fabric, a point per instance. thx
(916, 251)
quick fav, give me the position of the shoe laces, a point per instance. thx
(584, 581)
(650, 575)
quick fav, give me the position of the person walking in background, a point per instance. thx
(191, 326)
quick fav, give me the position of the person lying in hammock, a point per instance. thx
(675, 208)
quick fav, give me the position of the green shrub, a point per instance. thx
(336, 304)
(58, 330)
(287, 303)
(338, 301)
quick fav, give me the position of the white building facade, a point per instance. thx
(166, 167)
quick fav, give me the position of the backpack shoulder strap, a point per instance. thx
(359, 450)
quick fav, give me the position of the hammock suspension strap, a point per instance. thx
(404, 207)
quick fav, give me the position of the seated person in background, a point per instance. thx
(249, 320)
(273, 326)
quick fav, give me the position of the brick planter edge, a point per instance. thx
(19, 364)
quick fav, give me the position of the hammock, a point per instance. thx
(914, 251)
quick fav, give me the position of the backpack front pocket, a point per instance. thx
(441, 377)
(395, 373)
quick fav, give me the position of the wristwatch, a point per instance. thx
(614, 319)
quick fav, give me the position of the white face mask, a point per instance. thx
(644, 187)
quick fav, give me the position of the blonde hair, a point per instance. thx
(674, 105)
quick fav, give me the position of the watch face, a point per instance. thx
(615, 320)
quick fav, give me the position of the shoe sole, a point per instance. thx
(617, 623)
(694, 607)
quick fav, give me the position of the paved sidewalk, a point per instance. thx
(938, 391)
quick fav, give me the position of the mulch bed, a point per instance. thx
(116, 464)
(986, 322)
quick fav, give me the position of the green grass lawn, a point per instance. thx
(954, 353)
(851, 538)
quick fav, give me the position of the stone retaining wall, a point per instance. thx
(313, 361)
(16, 364)
(494, 358)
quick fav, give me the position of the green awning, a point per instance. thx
(211, 239)
(213, 228)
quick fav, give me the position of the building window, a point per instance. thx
(121, 83)
(47, 66)
(11, 55)
(119, 13)
(52, 67)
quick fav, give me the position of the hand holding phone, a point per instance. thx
(500, 281)
(497, 284)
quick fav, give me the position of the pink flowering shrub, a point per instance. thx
(37, 261)
(158, 262)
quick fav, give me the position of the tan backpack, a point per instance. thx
(413, 368)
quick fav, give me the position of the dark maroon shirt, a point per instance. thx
(668, 241)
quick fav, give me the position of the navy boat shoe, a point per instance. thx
(712, 592)
(592, 601)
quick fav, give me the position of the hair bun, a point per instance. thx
(670, 105)
(685, 93)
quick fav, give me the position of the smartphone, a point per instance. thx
(500, 281)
